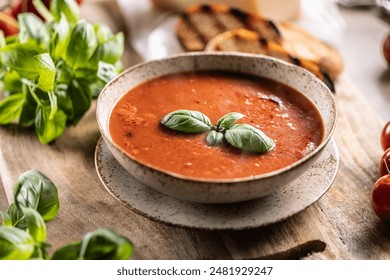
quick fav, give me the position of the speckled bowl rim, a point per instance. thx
(294, 165)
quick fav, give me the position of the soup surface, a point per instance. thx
(282, 113)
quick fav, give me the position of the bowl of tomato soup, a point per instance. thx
(216, 127)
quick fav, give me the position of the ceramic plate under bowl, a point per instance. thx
(297, 196)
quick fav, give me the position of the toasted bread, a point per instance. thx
(242, 40)
(200, 24)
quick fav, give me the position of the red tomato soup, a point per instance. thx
(282, 113)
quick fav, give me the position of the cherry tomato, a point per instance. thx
(380, 198)
(384, 164)
(386, 49)
(385, 137)
(8, 24)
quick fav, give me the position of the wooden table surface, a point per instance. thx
(341, 225)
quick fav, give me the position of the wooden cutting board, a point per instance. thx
(341, 225)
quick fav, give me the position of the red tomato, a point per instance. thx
(384, 165)
(8, 24)
(386, 49)
(385, 137)
(380, 198)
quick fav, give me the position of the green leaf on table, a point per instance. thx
(15, 244)
(49, 129)
(69, 8)
(11, 108)
(35, 225)
(214, 138)
(249, 138)
(14, 217)
(68, 252)
(103, 33)
(33, 28)
(228, 120)
(106, 72)
(60, 39)
(187, 121)
(105, 244)
(20, 57)
(81, 46)
(34, 190)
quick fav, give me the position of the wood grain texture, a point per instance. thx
(340, 226)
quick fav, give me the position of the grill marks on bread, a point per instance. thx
(199, 24)
(242, 40)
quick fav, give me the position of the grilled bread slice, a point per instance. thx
(199, 24)
(242, 40)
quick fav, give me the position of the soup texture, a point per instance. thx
(282, 113)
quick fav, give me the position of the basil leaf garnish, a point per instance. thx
(249, 138)
(214, 138)
(228, 120)
(187, 121)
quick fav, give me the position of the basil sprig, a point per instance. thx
(51, 71)
(23, 233)
(241, 136)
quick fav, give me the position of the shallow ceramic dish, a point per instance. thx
(215, 191)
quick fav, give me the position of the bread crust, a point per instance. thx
(200, 24)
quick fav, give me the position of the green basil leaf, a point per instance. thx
(69, 8)
(82, 45)
(11, 108)
(2, 39)
(64, 100)
(68, 252)
(27, 116)
(103, 33)
(64, 73)
(228, 120)
(81, 98)
(187, 121)
(19, 57)
(106, 72)
(14, 217)
(248, 138)
(60, 39)
(34, 190)
(214, 138)
(35, 225)
(11, 83)
(33, 28)
(49, 129)
(105, 244)
(46, 70)
(109, 51)
(15, 244)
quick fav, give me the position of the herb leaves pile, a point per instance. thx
(241, 136)
(23, 234)
(51, 71)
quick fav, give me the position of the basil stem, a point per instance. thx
(187, 121)
(249, 138)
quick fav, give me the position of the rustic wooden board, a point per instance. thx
(340, 226)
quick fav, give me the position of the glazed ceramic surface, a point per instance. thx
(273, 208)
(215, 191)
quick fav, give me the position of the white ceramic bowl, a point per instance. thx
(214, 191)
